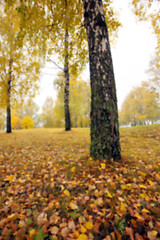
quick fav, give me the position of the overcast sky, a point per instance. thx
(131, 55)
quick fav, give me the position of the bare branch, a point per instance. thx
(56, 64)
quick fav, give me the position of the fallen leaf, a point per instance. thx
(65, 232)
(89, 225)
(41, 219)
(66, 193)
(73, 206)
(32, 233)
(145, 210)
(54, 230)
(152, 234)
(71, 225)
(129, 232)
(82, 237)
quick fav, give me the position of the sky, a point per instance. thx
(131, 55)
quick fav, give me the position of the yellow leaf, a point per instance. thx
(142, 186)
(32, 233)
(83, 229)
(74, 183)
(66, 193)
(122, 207)
(9, 178)
(143, 174)
(142, 195)
(154, 233)
(109, 195)
(89, 225)
(150, 182)
(73, 169)
(123, 186)
(82, 237)
(103, 165)
(145, 210)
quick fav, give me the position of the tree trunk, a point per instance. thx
(8, 128)
(66, 88)
(8, 116)
(105, 142)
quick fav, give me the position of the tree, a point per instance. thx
(47, 113)
(71, 46)
(62, 20)
(79, 103)
(16, 122)
(19, 64)
(148, 10)
(29, 108)
(105, 142)
(140, 106)
(27, 123)
(2, 118)
(154, 71)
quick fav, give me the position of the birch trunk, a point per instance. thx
(105, 143)
(66, 88)
(8, 116)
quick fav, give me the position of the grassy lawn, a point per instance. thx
(51, 189)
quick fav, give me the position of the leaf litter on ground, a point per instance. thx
(50, 188)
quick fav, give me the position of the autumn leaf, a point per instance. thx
(65, 232)
(89, 225)
(73, 206)
(82, 237)
(83, 229)
(66, 193)
(103, 165)
(122, 208)
(54, 230)
(152, 235)
(32, 233)
(145, 210)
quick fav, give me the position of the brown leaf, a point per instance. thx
(138, 237)
(54, 230)
(118, 235)
(41, 219)
(3, 222)
(152, 235)
(129, 232)
(107, 238)
(71, 225)
(65, 232)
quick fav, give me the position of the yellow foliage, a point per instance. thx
(27, 123)
(16, 122)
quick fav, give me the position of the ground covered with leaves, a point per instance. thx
(51, 189)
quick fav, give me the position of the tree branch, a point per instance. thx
(56, 64)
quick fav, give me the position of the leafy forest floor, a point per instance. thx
(51, 189)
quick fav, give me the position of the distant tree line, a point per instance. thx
(28, 115)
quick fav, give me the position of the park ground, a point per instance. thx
(50, 188)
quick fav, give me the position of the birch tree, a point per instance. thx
(105, 142)
(19, 68)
